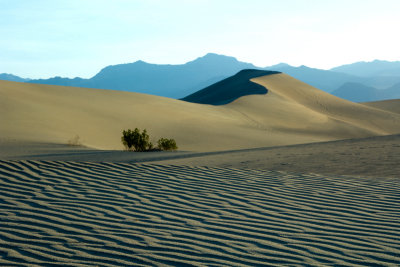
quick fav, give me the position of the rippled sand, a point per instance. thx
(89, 214)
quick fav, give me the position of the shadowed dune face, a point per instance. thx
(230, 89)
(291, 112)
(104, 214)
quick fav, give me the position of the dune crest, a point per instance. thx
(379, 122)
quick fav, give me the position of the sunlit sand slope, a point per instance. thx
(290, 113)
(295, 105)
(57, 114)
(388, 105)
(126, 214)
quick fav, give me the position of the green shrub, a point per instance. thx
(136, 141)
(167, 144)
(140, 141)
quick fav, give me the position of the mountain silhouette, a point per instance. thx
(230, 89)
(357, 92)
(12, 78)
(178, 81)
(373, 68)
(173, 81)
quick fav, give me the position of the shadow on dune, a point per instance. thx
(230, 89)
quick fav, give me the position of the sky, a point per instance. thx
(77, 38)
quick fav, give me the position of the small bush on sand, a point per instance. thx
(140, 141)
(136, 140)
(167, 144)
(74, 141)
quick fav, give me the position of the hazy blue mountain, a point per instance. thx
(13, 78)
(173, 81)
(373, 68)
(177, 81)
(329, 80)
(357, 92)
(231, 88)
(392, 92)
(380, 81)
(325, 80)
(77, 82)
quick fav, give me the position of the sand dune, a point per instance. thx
(290, 113)
(388, 105)
(327, 106)
(106, 214)
(88, 214)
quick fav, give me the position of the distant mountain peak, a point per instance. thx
(140, 62)
(212, 57)
(280, 65)
(215, 55)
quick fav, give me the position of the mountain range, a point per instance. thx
(358, 92)
(361, 81)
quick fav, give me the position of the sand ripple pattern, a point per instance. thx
(107, 214)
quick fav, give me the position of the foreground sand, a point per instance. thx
(377, 156)
(66, 213)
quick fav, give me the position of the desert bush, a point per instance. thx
(167, 144)
(140, 141)
(74, 141)
(136, 140)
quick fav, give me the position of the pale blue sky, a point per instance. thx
(46, 38)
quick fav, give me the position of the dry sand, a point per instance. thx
(377, 156)
(63, 205)
(367, 157)
(291, 113)
(107, 214)
(392, 105)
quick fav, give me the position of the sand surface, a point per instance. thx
(291, 112)
(107, 214)
(377, 156)
(392, 105)
(244, 190)
(374, 156)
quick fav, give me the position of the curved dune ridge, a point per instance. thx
(231, 88)
(291, 112)
(89, 214)
(339, 110)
